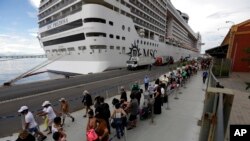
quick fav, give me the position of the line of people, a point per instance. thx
(100, 117)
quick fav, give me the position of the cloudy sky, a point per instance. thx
(209, 17)
(18, 22)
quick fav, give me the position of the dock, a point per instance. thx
(106, 84)
(178, 123)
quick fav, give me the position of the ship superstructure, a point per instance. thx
(89, 36)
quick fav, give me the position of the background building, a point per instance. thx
(236, 47)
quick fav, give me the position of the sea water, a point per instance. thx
(12, 68)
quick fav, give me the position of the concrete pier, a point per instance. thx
(178, 123)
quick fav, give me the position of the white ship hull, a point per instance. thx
(89, 60)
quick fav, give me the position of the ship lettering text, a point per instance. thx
(149, 52)
(58, 23)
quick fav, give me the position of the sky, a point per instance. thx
(18, 22)
(209, 17)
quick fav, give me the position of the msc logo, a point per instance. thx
(239, 132)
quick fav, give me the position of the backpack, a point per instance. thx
(104, 109)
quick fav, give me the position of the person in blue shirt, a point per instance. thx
(146, 82)
(204, 75)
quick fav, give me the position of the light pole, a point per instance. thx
(230, 22)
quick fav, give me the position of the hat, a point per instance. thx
(22, 109)
(85, 92)
(122, 88)
(46, 103)
(62, 99)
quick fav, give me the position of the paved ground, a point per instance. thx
(177, 124)
(105, 86)
(240, 113)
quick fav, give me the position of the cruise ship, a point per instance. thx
(90, 36)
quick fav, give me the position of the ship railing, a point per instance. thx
(171, 8)
(62, 16)
(43, 9)
(57, 8)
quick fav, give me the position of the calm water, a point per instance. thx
(10, 69)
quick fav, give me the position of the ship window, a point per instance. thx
(71, 49)
(111, 36)
(98, 47)
(128, 29)
(111, 47)
(147, 43)
(96, 34)
(111, 23)
(47, 51)
(74, 24)
(137, 41)
(118, 37)
(123, 38)
(54, 50)
(123, 27)
(97, 20)
(82, 47)
(141, 42)
(144, 42)
(118, 48)
(62, 50)
(123, 50)
(72, 38)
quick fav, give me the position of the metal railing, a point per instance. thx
(215, 112)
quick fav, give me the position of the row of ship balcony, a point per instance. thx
(178, 16)
(63, 14)
(153, 5)
(46, 4)
(58, 6)
(147, 9)
(140, 14)
(147, 25)
(178, 43)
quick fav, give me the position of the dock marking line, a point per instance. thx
(44, 93)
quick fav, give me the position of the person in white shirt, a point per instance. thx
(30, 123)
(49, 112)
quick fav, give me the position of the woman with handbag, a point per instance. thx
(91, 126)
(117, 115)
(96, 128)
(102, 130)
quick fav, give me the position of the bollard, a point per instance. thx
(167, 103)
(176, 94)
(125, 133)
(152, 114)
(152, 110)
(107, 95)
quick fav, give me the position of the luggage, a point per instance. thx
(144, 113)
